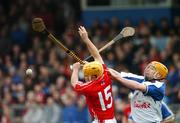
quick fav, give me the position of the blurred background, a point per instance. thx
(47, 96)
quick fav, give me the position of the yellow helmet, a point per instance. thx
(93, 69)
(160, 68)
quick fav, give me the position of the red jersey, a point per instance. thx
(98, 95)
(127, 112)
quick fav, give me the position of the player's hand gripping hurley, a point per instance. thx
(38, 26)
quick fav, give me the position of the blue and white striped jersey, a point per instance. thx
(166, 111)
(146, 107)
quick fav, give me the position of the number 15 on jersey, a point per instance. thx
(104, 101)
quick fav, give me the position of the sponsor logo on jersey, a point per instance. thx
(143, 105)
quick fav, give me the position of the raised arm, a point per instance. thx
(74, 76)
(131, 84)
(92, 49)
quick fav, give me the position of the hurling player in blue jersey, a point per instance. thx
(167, 114)
(148, 92)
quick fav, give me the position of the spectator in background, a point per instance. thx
(4, 40)
(159, 40)
(69, 111)
(177, 25)
(6, 85)
(5, 118)
(119, 107)
(174, 80)
(153, 27)
(35, 112)
(52, 112)
(127, 109)
(83, 114)
(115, 24)
(165, 27)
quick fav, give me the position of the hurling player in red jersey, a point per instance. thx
(98, 87)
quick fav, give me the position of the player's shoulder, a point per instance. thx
(94, 82)
(155, 83)
(84, 87)
(104, 66)
(127, 74)
(83, 84)
(155, 89)
(106, 72)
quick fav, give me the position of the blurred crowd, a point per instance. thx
(47, 96)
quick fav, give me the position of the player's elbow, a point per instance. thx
(73, 82)
(133, 86)
(140, 87)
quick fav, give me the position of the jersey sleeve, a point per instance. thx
(81, 87)
(155, 90)
(104, 68)
(106, 75)
(132, 76)
(166, 111)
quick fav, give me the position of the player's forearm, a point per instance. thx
(74, 77)
(132, 84)
(128, 83)
(92, 49)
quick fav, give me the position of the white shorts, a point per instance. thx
(106, 121)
